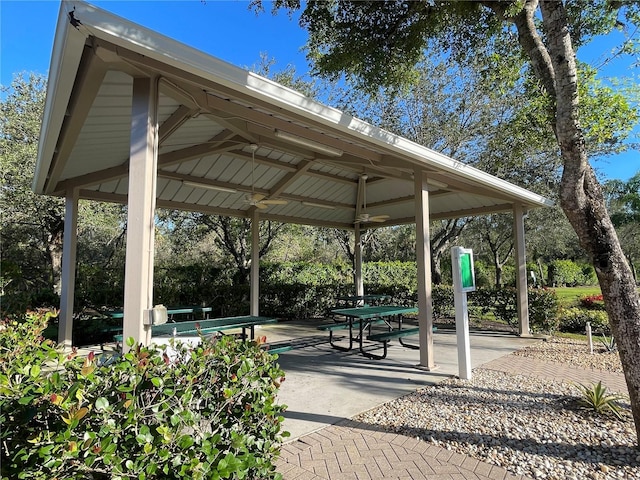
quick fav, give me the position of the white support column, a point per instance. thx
(423, 257)
(521, 272)
(143, 159)
(69, 248)
(254, 308)
(357, 251)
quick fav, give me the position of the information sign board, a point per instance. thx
(463, 269)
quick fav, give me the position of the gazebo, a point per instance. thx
(137, 118)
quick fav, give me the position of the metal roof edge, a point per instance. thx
(68, 45)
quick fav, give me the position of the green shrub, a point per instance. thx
(544, 310)
(570, 274)
(443, 302)
(204, 412)
(564, 273)
(504, 305)
(574, 320)
(481, 302)
(484, 273)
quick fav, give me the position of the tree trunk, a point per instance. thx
(54, 249)
(582, 201)
(436, 270)
(498, 266)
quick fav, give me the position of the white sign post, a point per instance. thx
(464, 281)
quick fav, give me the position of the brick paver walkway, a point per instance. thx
(349, 450)
(560, 372)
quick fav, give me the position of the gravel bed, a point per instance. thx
(574, 352)
(527, 425)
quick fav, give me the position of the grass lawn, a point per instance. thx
(569, 296)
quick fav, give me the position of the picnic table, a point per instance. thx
(212, 325)
(172, 312)
(364, 318)
(207, 326)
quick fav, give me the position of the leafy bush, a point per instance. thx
(443, 302)
(575, 320)
(485, 274)
(570, 274)
(544, 310)
(504, 305)
(481, 302)
(204, 412)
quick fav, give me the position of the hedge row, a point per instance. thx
(205, 412)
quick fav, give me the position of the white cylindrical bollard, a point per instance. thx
(589, 338)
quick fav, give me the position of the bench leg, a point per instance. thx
(407, 345)
(373, 355)
(369, 354)
(340, 347)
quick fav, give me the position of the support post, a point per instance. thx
(357, 251)
(69, 249)
(522, 299)
(423, 257)
(143, 160)
(255, 264)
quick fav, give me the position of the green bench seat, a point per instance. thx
(386, 336)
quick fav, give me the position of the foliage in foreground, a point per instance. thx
(596, 398)
(204, 412)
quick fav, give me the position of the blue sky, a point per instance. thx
(224, 29)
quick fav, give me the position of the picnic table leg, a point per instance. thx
(368, 354)
(340, 347)
(407, 345)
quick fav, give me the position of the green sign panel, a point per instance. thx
(466, 271)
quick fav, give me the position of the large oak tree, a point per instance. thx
(379, 44)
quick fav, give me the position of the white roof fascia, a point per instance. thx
(129, 35)
(68, 46)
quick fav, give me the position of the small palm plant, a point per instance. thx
(596, 398)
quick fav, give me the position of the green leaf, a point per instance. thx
(102, 403)
(185, 442)
(26, 400)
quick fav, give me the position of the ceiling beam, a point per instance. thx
(290, 177)
(174, 122)
(88, 82)
(164, 160)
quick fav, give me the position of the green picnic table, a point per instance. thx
(364, 318)
(211, 325)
